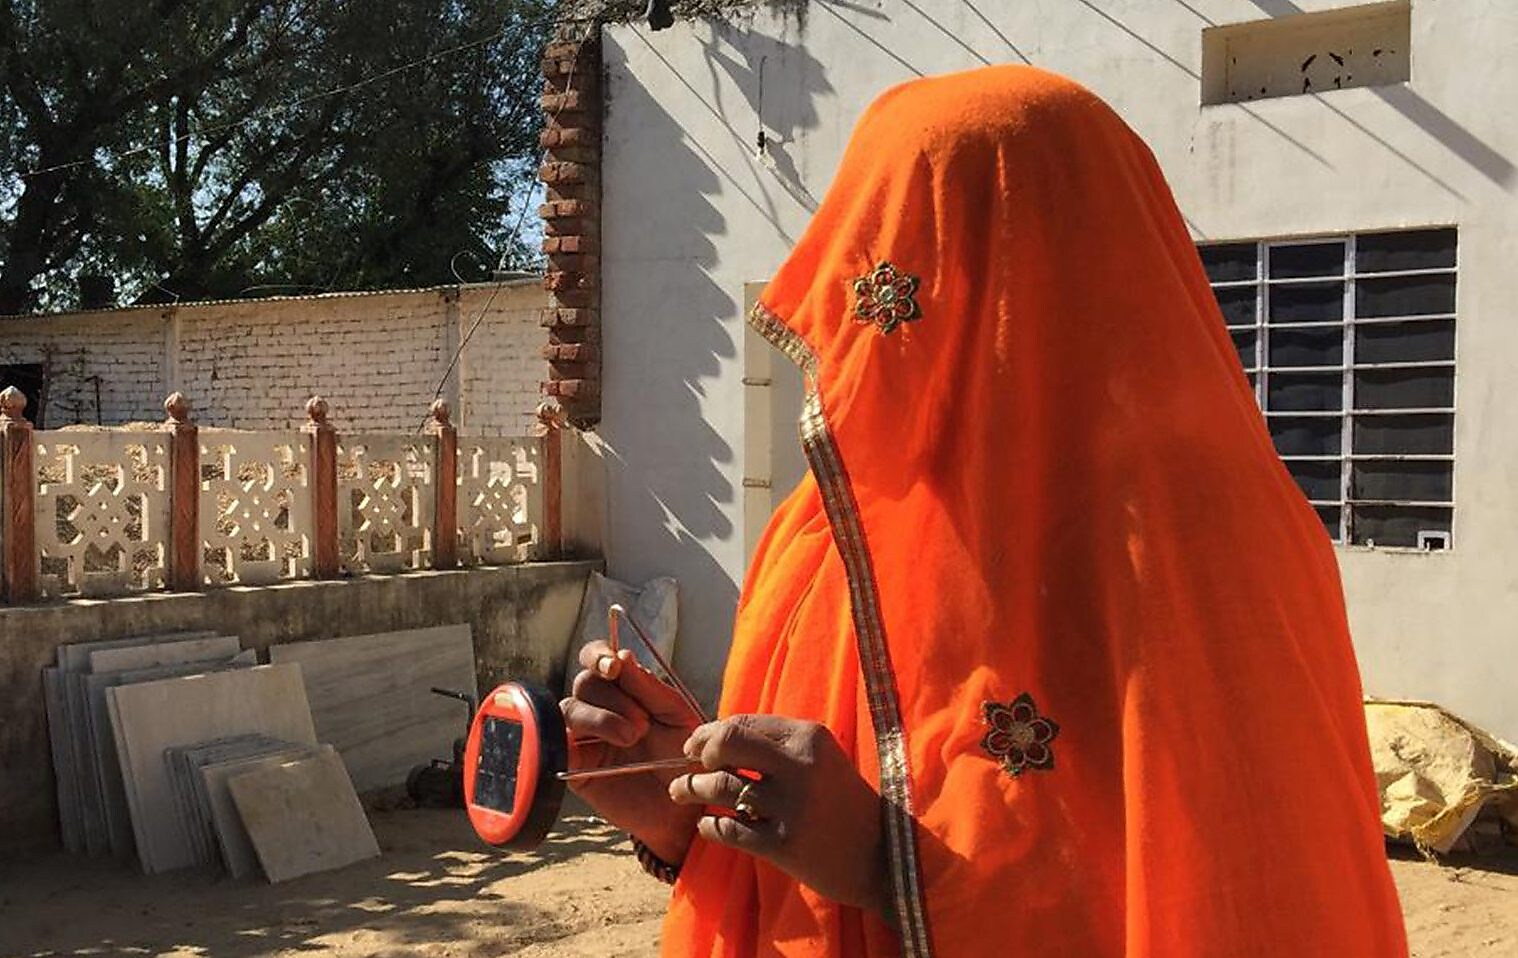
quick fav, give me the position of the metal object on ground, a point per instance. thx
(440, 783)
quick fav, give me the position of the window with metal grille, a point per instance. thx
(1349, 342)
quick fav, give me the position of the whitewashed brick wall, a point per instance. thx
(503, 364)
(103, 367)
(376, 357)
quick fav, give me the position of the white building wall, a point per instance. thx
(251, 364)
(692, 212)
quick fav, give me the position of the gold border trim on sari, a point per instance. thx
(874, 656)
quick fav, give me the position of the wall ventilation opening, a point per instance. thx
(1305, 53)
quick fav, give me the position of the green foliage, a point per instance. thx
(209, 148)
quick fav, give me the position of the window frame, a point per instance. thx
(1348, 368)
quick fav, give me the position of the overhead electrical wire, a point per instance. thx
(656, 13)
(516, 231)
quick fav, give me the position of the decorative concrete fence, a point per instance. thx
(91, 512)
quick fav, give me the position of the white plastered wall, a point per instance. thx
(693, 212)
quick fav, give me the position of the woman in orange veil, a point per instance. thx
(1047, 598)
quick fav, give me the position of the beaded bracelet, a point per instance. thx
(653, 864)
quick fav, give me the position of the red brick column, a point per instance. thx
(323, 477)
(445, 517)
(184, 495)
(19, 538)
(571, 172)
(550, 430)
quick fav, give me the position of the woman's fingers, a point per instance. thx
(599, 711)
(599, 658)
(590, 688)
(663, 703)
(755, 837)
(756, 742)
(707, 788)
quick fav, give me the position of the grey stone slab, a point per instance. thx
(105, 780)
(74, 659)
(185, 763)
(303, 816)
(164, 653)
(184, 766)
(144, 653)
(234, 847)
(70, 816)
(150, 717)
(371, 697)
(201, 795)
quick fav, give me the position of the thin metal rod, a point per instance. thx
(628, 769)
(685, 693)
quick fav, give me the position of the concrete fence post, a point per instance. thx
(323, 439)
(18, 527)
(550, 431)
(184, 495)
(445, 516)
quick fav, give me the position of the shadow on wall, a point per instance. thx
(666, 465)
(1460, 141)
(670, 447)
(780, 82)
(1419, 111)
(1402, 98)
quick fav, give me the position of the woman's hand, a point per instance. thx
(809, 812)
(620, 712)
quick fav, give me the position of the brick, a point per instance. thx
(572, 226)
(572, 191)
(572, 388)
(567, 75)
(562, 104)
(560, 135)
(571, 352)
(585, 155)
(555, 173)
(567, 209)
(574, 263)
(564, 50)
(575, 243)
(559, 282)
(568, 316)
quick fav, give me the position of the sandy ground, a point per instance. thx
(436, 891)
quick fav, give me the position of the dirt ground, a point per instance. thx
(436, 891)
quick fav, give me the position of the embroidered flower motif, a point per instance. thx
(1019, 738)
(887, 298)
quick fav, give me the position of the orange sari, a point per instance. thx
(1047, 580)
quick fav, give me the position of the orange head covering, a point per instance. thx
(1047, 579)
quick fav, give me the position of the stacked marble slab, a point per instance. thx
(199, 774)
(151, 720)
(302, 815)
(92, 800)
(180, 750)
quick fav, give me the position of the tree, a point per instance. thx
(206, 148)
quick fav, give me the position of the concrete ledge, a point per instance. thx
(523, 618)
